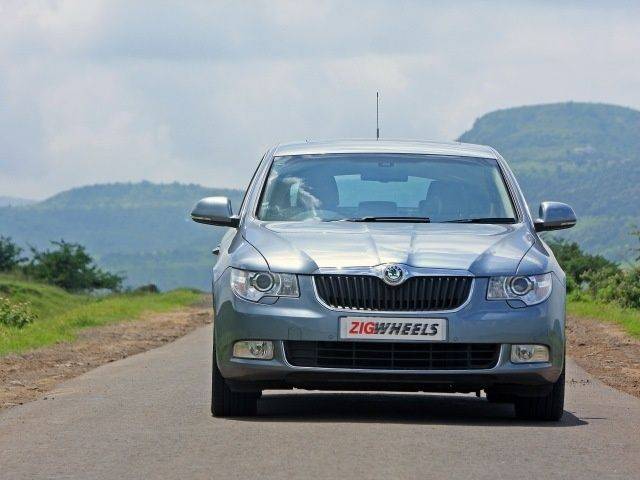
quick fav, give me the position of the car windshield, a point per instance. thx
(385, 187)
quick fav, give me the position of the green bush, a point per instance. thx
(595, 277)
(621, 287)
(572, 285)
(149, 288)
(577, 264)
(15, 314)
(10, 255)
(69, 266)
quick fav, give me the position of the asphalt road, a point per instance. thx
(147, 417)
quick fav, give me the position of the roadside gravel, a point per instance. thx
(606, 352)
(27, 376)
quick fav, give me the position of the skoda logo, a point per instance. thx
(393, 274)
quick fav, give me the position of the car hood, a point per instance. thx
(304, 247)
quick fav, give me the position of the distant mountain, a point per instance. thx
(587, 155)
(584, 154)
(14, 201)
(142, 229)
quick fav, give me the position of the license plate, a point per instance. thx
(397, 329)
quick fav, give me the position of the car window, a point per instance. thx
(346, 186)
(352, 190)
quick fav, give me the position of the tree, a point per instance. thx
(69, 266)
(577, 263)
(636, 250)
(10, 253)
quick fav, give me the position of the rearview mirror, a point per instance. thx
(215, 211)
(384, 176)
(554, 216)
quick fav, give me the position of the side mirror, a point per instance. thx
(555, 216)
(215, 211)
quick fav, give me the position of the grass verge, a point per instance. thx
(61, 314)
(627, 318)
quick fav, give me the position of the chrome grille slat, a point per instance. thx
(370, 293)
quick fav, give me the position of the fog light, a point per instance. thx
(256, 349)
(529, 353)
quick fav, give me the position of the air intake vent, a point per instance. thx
(392, 355)
(365, 292)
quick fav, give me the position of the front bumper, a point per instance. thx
(305, 318)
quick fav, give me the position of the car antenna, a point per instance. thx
(377, 116)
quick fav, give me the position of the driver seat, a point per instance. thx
(318, 193)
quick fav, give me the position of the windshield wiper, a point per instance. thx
(389, 219)
(482, 220)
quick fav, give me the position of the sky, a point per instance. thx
(196, 91)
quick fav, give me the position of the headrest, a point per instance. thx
(321, 192)
(444, 199)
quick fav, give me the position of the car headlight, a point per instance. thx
(255, 285)
(531, 289)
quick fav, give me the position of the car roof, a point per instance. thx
(385, 146)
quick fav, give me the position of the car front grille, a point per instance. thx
(366, 292)
(392, 355)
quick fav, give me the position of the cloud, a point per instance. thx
(196, 91)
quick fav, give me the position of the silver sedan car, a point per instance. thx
(387, 265)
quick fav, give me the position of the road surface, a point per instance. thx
(147, 417)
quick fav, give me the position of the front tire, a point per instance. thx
(227, 403)
(548, 408)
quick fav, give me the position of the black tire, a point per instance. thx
(548, 408)
(227, 403)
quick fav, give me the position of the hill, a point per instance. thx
(14, 201)
(142, 229)
(587, 155)
(584, 154)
